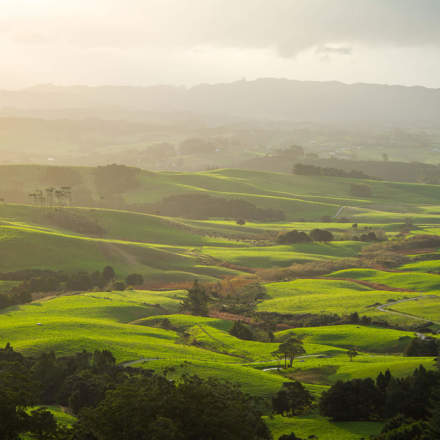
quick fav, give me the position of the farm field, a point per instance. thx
(415, 282)
(428, 308)
(324, 296)
(304, 426)
(146, 328)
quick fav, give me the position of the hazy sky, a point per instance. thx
(143, 42)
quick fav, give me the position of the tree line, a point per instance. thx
(314, 170)
(113, 402)
(43, 281)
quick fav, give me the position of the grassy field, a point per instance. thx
(307, 197)
(110, 230)
(304, 426)
(378, 340)
(428, 308)
(283, 255)
(410, 281)
(324, 296)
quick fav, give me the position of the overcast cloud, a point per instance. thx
(142, 42)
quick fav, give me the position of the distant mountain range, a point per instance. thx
(262, 99)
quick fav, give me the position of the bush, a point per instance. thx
(242, 331)
(134, 279)
(293, 236)
(119, 285)
(321, 235)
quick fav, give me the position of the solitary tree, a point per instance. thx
(292, 399)
(134, 279)
(108, 274)
(351, 353)
(289, 350)
(321, 235)
(197, 300)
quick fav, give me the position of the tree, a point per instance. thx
(383, 380)
(321, 235)
(351, 353)
(293, 236)
(293, 399)
(196, 300)
(108, 274)
(289, 350)
(119, 285)
(358, 399)
(434, 419)
(193, 408)
(242, 331)
(18, 391)
(42, 424)
(422, 347)
(134, 279)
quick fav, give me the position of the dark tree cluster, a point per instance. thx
(366, 399)
(387, 170)
(294, 236)
(117, 403)
(425, 346)
(243, 331)
(292, 399)
(196, 300)
(43, 281)
(202, 206)
(314, 170)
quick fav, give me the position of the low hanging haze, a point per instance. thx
(186, 42)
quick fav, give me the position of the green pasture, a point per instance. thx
(427, 308)
(91, 321)
(253, 381)
(183, 322)
(430, 266)
(334, 367)
(323, 428)
(283, 255)
(371, 339)
(411, 281)
(29, 247)
(324, 296)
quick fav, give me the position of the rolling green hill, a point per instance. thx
(117, 223)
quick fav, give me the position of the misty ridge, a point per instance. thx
(262, 99)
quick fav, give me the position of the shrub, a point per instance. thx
(293, 236)
(321, 235)
(134, 279)
(119, 285)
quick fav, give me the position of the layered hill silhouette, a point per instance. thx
(268, 99)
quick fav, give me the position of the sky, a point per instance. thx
(186, 42)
